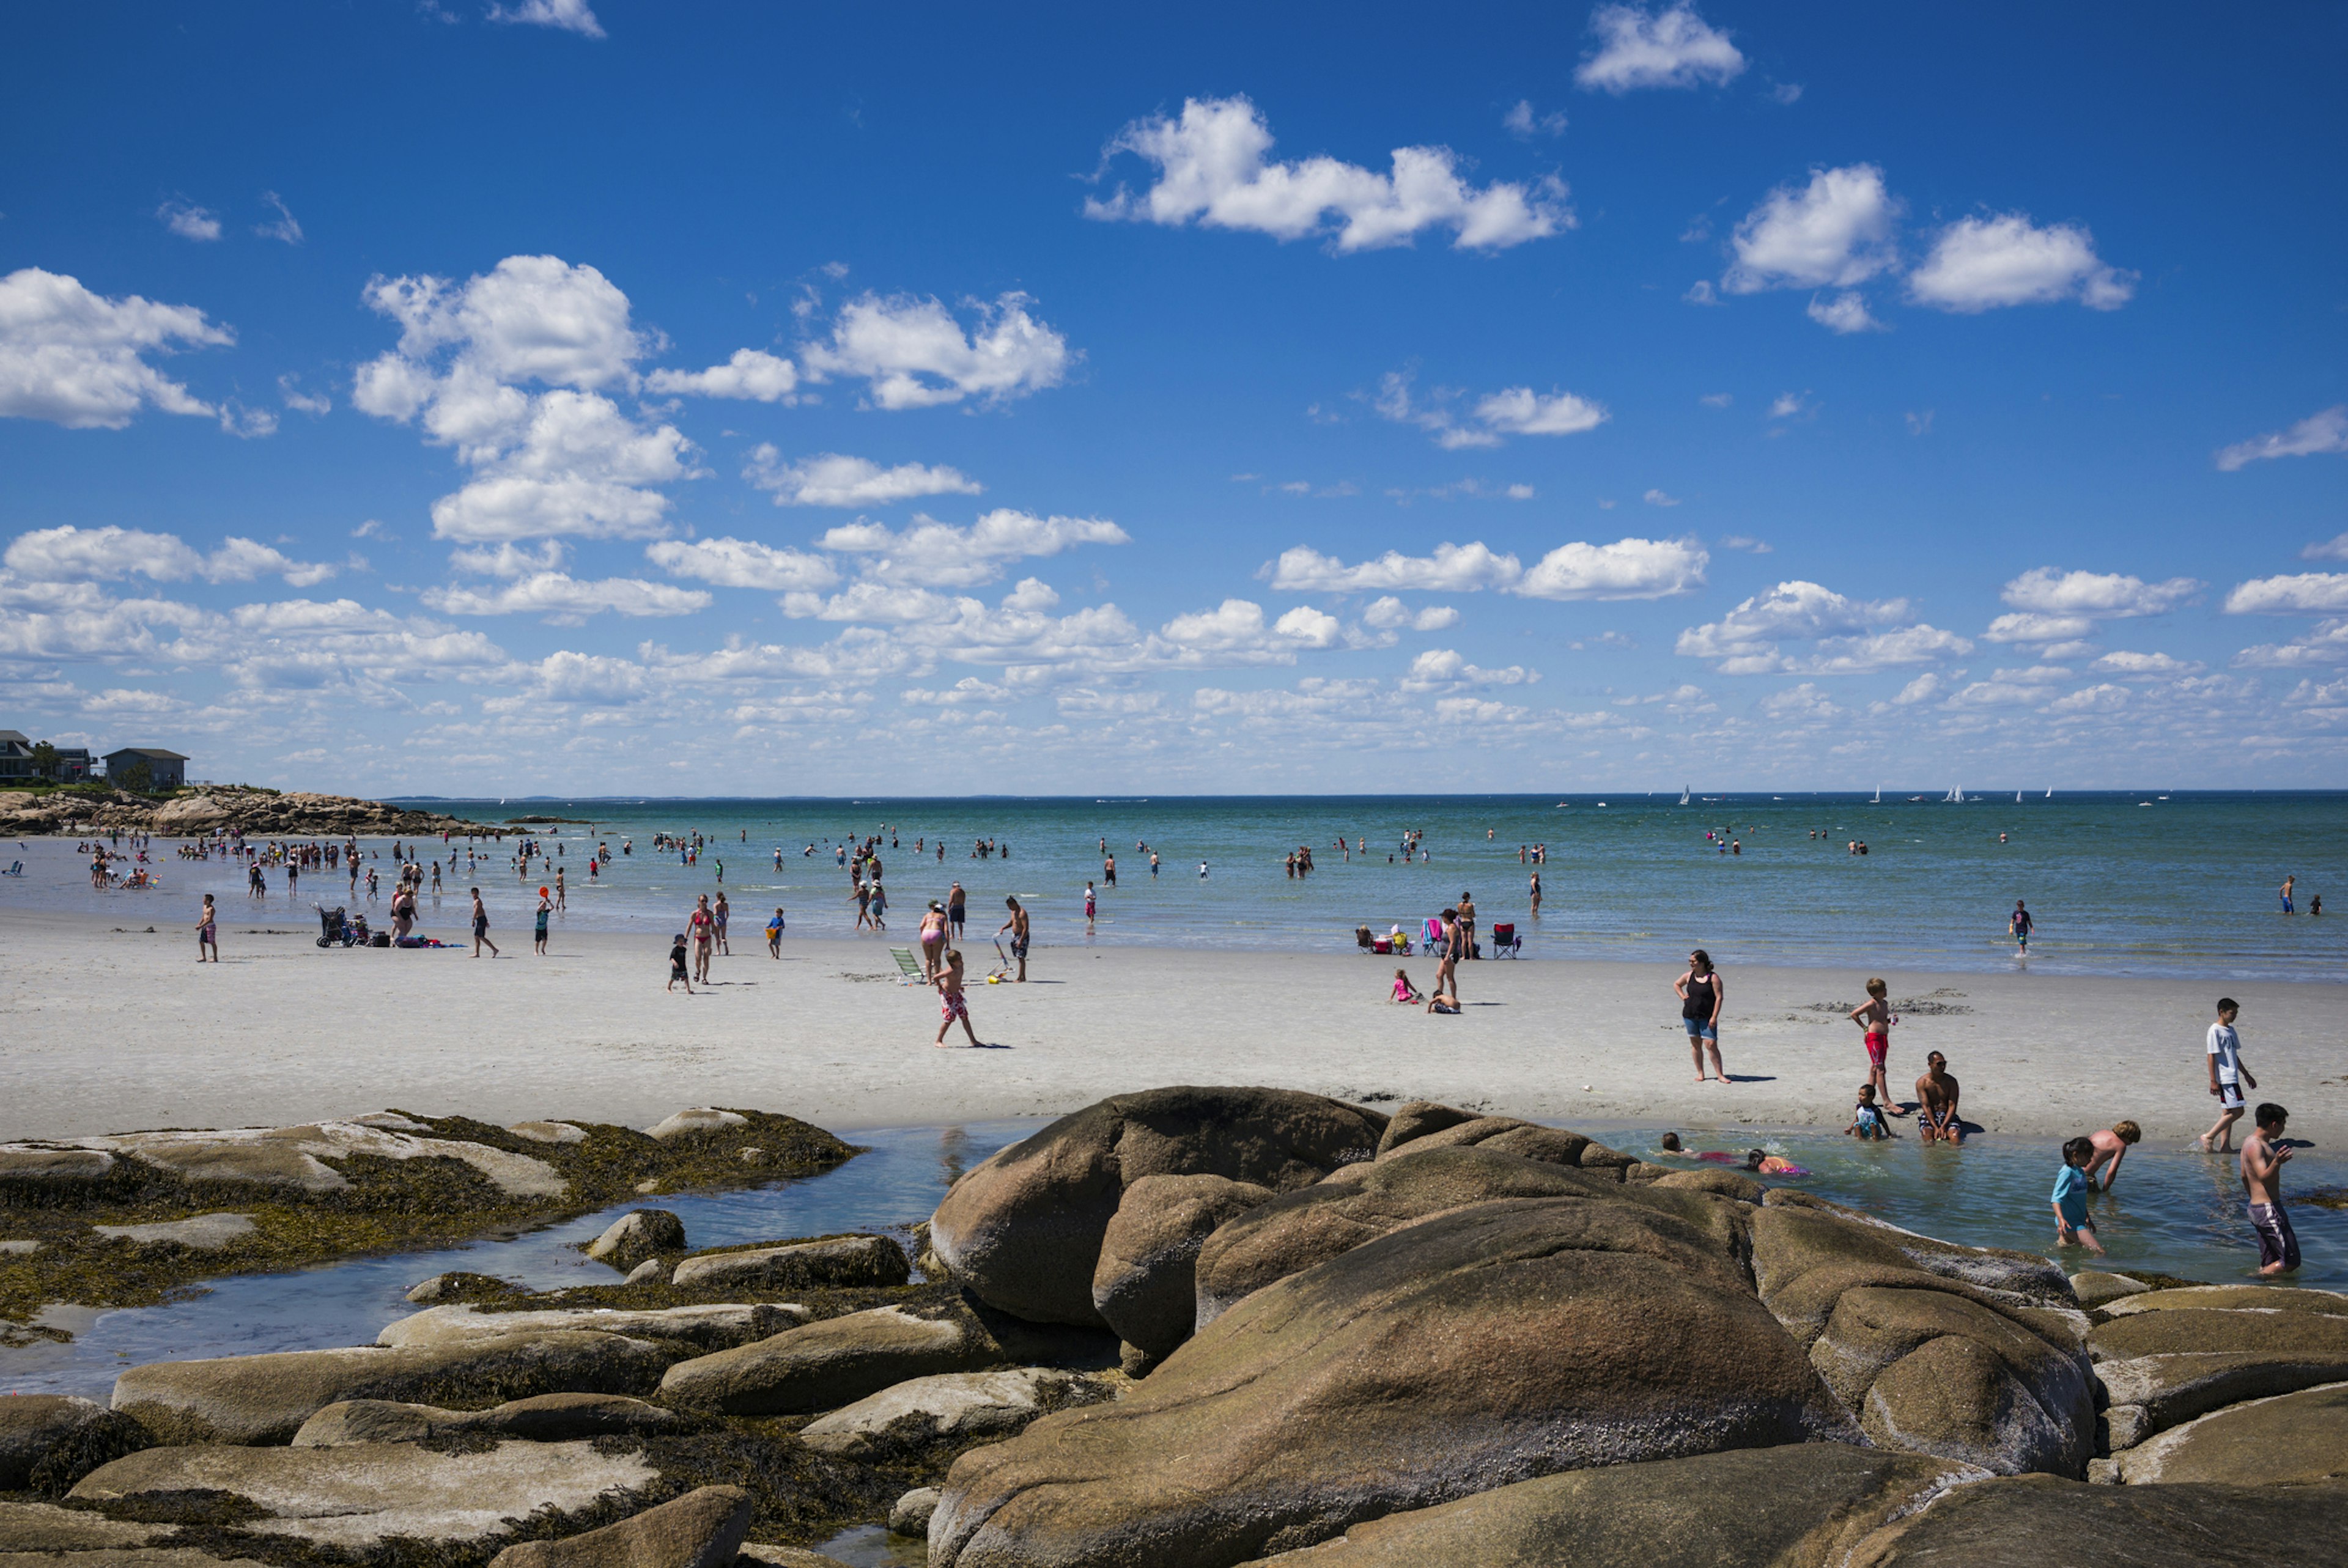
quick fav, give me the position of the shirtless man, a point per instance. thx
(1017, 927)
(2111, 1147)
(2263, 1155)
(1936, 1096)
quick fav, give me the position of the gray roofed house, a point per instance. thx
(165, 769)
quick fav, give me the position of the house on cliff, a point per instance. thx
(165, 770)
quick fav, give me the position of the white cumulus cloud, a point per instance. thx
(188, 221)
(1444, 670)
(1983, 264)
(932, 554)
(1213, 170)
(566, 599)
(2144, 665)
(742, 563)
(1851, 636)
(2046, 590)
(1513, 410)
(68, 554)
(1844, 312)
(2302, 593)
(1390, 614)
(1833, 233)
(1660, 49)
(1627, 569)
(915, 354)
(831, 479)
(75, 358)
(752, 374)
(1522, 411)
(2323, 431)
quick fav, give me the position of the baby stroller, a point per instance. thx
(1505, 943)
(335, 930)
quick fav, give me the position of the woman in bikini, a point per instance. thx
(933, 939)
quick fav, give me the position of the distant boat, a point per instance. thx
(1878, 796)
(2050, 791)
(1956, 797)
(1683, 794)
(2017, 797)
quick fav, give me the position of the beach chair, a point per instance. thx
(1505, 943)
(1362, 939)
(909, 968)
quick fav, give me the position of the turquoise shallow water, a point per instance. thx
(2172, 1212)
(2120, 883)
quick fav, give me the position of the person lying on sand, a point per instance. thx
(1443, 1002)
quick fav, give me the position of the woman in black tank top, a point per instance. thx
(1702, 993)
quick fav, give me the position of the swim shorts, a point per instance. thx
(1018, 950)
(2277, 1242)
(1879, 1046)
(953, 1005)
(2230, 1096)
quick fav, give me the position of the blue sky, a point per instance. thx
(610, 397)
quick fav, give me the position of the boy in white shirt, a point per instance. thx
(2226, 1076)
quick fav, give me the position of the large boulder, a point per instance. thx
(2030, 1522)
(2235, 1297)
(2151, 1394)
(831, 1363)
(636, 1236)
(2095, 1288)
(295, 1157)
(1474, 1350)
(687, 1329)
(1299, 1229)
(1146, 1283)
(952, 1408)
(1420, 1125)
(265, 1399)
(2218, 1330)
(29, 1527)
(829, 1261)
(354, 1498)
(703, 1529)
(1936, 1361)
(48, 1441)
(1023, 1229)
(2293, 1439)
(1799, 1507)
(545, 1419)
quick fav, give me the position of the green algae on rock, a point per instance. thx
(389, 1182)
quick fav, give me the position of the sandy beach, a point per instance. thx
(111, 1028)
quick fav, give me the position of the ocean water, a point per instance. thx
(2138, 883)
(2172, 1212)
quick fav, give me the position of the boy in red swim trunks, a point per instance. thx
(1876, 1017)
(952, 1003)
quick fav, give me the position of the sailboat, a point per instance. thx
(1878, 796)
(2050, 791)
(1955, 797)
(1683, 794)
(2017, 797)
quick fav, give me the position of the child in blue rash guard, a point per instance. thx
(2071, 1225)
(1866, 1116)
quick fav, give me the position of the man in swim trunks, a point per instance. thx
(1936, 1101)
(2263, 1155)
(1017, 927)
(1874, 1016)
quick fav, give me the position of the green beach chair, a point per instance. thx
(909, 968)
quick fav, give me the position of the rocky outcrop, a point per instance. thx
(831, 1363)
(2030, 1522)
(2293, 1439)
(1146, 1284)
(1475, 1348)
(289, 1157)
(1986, 1376)
(1423, 1124)
(1023, 1229)
(2151, 1394)
(703, 1529)
(685, 1330)
(637, 1236)
(41, 1527)
(845, 1260)
(48, 1441)
(1299, 1229)
(354, 1498)
(254, 812)
(2232, 1297)
(1803, 1507)
(2218, 1330)
(266, 1399)
(2095, 1288)
(545, 1419)
(910, 1514)
(699, 1119)
(954, 1408)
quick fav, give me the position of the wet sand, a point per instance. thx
(113, 1030)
